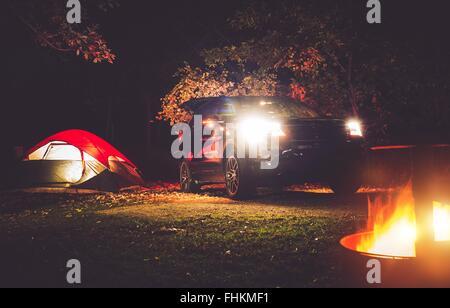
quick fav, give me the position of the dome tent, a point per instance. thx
(78, 159)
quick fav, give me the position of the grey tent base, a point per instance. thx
(106, 181)
(52, 174)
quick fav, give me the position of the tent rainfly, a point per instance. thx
(78, 159)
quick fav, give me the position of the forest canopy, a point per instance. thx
(321, 59)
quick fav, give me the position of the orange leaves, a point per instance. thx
(253, 85)
(298, 92)
(198, 83)
(53, 31)
(194, 83)
(305, 62)
(90, 45)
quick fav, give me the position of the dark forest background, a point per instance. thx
(43, 91)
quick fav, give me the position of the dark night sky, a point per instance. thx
(44, 92)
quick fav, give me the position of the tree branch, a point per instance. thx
(336, 60)
(42, 37)
(35, 31)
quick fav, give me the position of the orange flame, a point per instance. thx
(392, 225)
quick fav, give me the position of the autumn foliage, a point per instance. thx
(215, 79)
(198, 83)
(286, 53)
(46, 21)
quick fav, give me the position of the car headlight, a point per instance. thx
(354, 128)
(258, 129)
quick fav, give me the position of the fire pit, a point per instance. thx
(408, 232)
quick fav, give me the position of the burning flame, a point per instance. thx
(393, 225)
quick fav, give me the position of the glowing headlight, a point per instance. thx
(355, 128)
(257, 129)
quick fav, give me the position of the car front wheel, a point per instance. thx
(239, 180)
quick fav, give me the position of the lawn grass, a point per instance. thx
(167, 239)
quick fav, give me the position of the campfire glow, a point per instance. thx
(441, 222)
(392, 226)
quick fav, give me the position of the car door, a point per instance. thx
(209, 167)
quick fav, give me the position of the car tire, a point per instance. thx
(187, 183)
(239, 179)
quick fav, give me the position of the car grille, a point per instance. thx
(316, 131)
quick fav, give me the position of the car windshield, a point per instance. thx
(278, 108)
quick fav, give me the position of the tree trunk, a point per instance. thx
(352, 94)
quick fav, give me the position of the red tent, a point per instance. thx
(77, 158)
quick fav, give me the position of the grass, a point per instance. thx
(168, 239)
